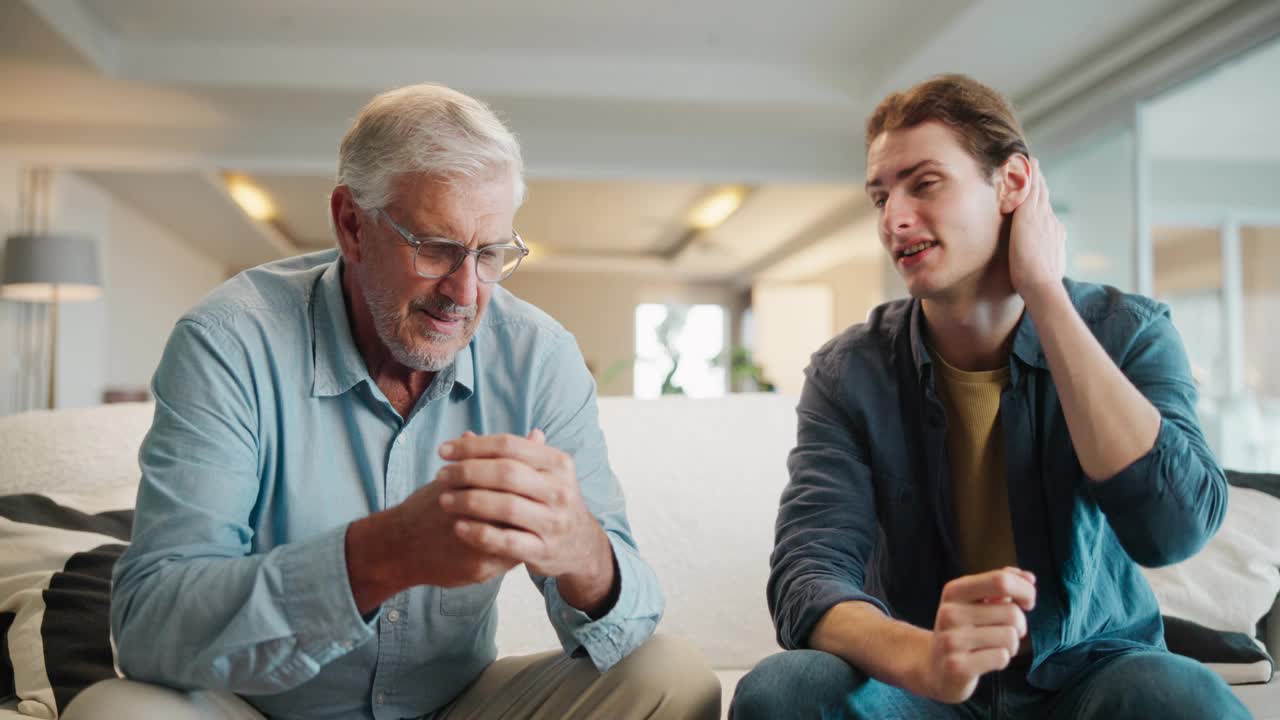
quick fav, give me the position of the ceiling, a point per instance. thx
(628, 113)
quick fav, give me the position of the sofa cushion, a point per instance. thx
(1237, 657)
(80, 450)
(1262, 482)
(702, 480)
(1244, 556)
(55, 596)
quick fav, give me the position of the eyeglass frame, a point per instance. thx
(416, 243)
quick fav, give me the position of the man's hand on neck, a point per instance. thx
(1112, 424)
(1037, 247)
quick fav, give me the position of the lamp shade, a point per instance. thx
(45, 268)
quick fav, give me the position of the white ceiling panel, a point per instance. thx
(628, 113)
(605, 217)
(800, 32)
(771, 217)
(194, 207)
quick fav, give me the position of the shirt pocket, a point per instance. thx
(469, 599)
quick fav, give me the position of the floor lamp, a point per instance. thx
(47, 268)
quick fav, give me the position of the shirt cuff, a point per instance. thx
(608, 639)
(318, 600)
(817, 597)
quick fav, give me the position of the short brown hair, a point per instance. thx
(981, 118)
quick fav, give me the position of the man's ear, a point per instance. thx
(1013, 182)
(349, 220)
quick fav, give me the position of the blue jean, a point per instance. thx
(1155, 684)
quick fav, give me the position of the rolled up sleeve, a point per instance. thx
(1167, 504)
(254, 625)
(191, 606)
(827, 522)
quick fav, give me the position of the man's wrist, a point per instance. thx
(918, 671)
(370, 561)
(1046, 298)
(857, 630)
(593, 590)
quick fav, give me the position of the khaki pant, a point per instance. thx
(665, 678)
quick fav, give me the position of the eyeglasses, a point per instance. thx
(435, 258)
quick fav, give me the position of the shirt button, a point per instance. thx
(400, 439)
(379, 699)
(393, 616)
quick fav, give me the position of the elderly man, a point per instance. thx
(350, 450)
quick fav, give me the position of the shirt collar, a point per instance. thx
(1026, 341)
(919, 348)
(464, 370)
(337, 363)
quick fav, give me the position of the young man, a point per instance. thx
(981, 468)
(351, 448)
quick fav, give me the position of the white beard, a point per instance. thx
(387, 321)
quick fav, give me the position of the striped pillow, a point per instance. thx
(55, 598)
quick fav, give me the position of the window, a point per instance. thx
(1092, 190)
(679, 350)
(1215, 238)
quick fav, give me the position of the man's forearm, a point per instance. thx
(216, 622)
(594, 590)
(368, 548)
(1111, 423)
(863, 636)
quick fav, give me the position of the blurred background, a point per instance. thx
(695, 207)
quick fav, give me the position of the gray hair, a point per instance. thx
(427, 129)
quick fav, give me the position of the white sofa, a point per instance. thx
(702, 480)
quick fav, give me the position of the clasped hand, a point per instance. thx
(517, 498)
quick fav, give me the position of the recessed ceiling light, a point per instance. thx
(252, 199)
(715, 208)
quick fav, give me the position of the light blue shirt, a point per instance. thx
(270, 437)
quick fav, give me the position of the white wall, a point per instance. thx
(1092, 190)
(81, 209)
(856, 286)
(12, 314)
(149, 278)
(791, 322)
(600, 310)
(10, 175)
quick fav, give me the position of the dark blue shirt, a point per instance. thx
(868, 512)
